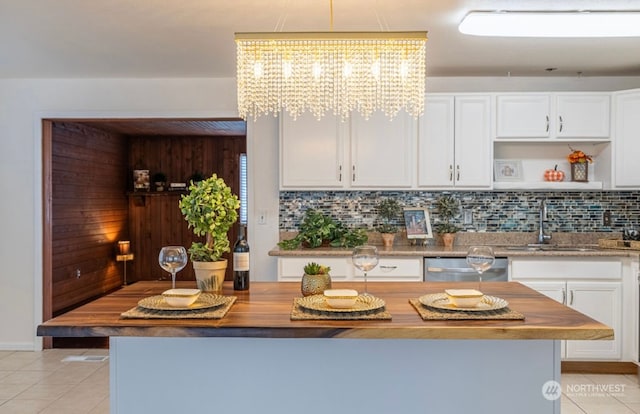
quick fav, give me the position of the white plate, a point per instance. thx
(441, 301)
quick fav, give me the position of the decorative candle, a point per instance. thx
(123, 246)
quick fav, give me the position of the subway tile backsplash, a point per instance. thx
(492, 211)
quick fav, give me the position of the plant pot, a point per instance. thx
(210, 275)
(387, 239)
(315, 284)
(448, 239)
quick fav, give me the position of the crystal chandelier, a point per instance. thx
(336, 72)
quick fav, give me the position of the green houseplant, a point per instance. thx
(448, 208)
(388, 210)
(210, 209)
(317, 229)
(315, 279)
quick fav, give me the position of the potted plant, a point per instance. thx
(448, 208)
(388, 210)
(317, 230)
(315, 279)
(160, 180)
(210, 209)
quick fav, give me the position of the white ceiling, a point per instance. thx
(194, 38)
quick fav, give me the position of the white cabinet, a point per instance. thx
(626, 140)
(359, 153)
(311, 152)
(454, 142)
(389, 269)
(523, 116)
(382, 151)
(558, 115)
(592, 286)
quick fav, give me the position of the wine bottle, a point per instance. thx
(241, 262)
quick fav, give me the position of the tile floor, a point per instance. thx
(39, 382)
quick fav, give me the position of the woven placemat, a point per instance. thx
(298, 313)
(209, 313)
(431, 314)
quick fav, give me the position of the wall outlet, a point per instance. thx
(468, 217)
(262, 217)
(606, 218)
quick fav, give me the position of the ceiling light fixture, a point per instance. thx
(588, 23)
(336, 72)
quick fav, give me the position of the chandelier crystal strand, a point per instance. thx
(330, 72)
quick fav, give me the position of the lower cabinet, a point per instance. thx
(590, 286)
(391, 269)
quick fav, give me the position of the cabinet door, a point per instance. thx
(583, 116)
(601, 301)
(523, 116)
(382, 150)
(436, 142)
(311, 152)
(394, 269)
(291, 269)
(472, 152)
(554, 290)
(626, 142)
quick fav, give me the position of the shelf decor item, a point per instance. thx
(579, 165)
(315, 280)
(210, 209)
(389, 210)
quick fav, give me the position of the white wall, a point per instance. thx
(24, 102)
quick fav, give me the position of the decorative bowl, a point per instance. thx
(341, 298)
(181, 298)
(464, 298)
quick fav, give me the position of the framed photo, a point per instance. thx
(507, 170)
(417, 223)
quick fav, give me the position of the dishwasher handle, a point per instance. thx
(450, 269)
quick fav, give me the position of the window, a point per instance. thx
(243, 189)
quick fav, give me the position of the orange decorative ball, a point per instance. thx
(553, 175)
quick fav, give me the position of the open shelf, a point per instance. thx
(548, 185)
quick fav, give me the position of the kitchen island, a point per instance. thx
(256, 359)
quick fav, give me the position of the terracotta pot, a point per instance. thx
(448, 239)
(387, 239)
(210, 275)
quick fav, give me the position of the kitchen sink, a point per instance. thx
(550, 248)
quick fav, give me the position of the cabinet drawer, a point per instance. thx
(573, 268)
(394, 269)
(292, 269)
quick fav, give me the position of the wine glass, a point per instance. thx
(173, 259)
(365, 258)
(481, 258)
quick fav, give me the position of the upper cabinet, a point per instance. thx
(454, 142)
(626, 168)
(358, 153)
(312, 152)
(556, 116)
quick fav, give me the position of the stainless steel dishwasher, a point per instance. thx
(456, 269)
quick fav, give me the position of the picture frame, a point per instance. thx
(507, 170)
(417, 223)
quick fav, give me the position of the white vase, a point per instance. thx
(210, 275)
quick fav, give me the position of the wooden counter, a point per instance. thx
(256, 359)
(264, 311)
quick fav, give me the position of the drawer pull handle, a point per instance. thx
(388, 268)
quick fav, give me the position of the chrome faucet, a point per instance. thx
(542, 216)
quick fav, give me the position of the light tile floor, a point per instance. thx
(40, 382)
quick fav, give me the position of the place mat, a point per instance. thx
(208, 313)
(432, 314)
(299, 313)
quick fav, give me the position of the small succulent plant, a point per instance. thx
(314, 268)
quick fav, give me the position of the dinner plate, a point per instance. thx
(441, 301)
(204, 301)
(363, 304)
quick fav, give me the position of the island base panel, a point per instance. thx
(316, 376)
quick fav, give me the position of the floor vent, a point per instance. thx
(85, 358)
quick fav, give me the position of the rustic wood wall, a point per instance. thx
(154, 218)
(89, 211)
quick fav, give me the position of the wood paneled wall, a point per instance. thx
(89, 211)
(158, 221)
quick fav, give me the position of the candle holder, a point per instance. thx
(125, 255)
